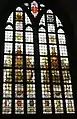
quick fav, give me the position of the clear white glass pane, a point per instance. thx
(42, 37)
(8, 48)
(10, 19)
(63, 50)
(27, 20)
(28, 37)
(42, 20)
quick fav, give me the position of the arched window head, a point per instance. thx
(36, 71)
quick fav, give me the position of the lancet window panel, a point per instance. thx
(51, 52)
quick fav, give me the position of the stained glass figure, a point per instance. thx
(19, 16)
(34, 8)
(18, 75)
(31, 107)
(19, 90)
(54, 62)
(47, 107)
(6, 106)
(19, 106)
(58, 106)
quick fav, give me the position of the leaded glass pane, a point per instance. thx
(43, 49)
(6, 106)
(19, 91)
(30, 90)
(27, 20)
(42, 37)
(44, 76)
(58, 22)
(29, 49)
(52, 38)
(19, 106)
(19, 25)
(7, 90)
(57, 91)
(44, 62)
(51, 28)
(10, 19)
(31, 106)
(49, 11)
(47, 107)
(66, 76)
(63, 50)
(9, 27)
(18, 75)
(60, 31)
(8, 35)
(68, 91)
(28, 37)
(42, 20)
(30, 75)
(58, 106)
(34, 8)
(7, 60)
(8, 47)
(64, 63)
(62, 39)
(55, 76)
(18, 36)
(53, 50)
(70, 106)
(50, 18)
(7, 75)
(19, 9)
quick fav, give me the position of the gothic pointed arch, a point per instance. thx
(36, 71)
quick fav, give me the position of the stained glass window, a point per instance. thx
(36, 71)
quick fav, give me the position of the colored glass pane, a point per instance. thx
(34, 8)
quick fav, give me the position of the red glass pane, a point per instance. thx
(34, 9)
